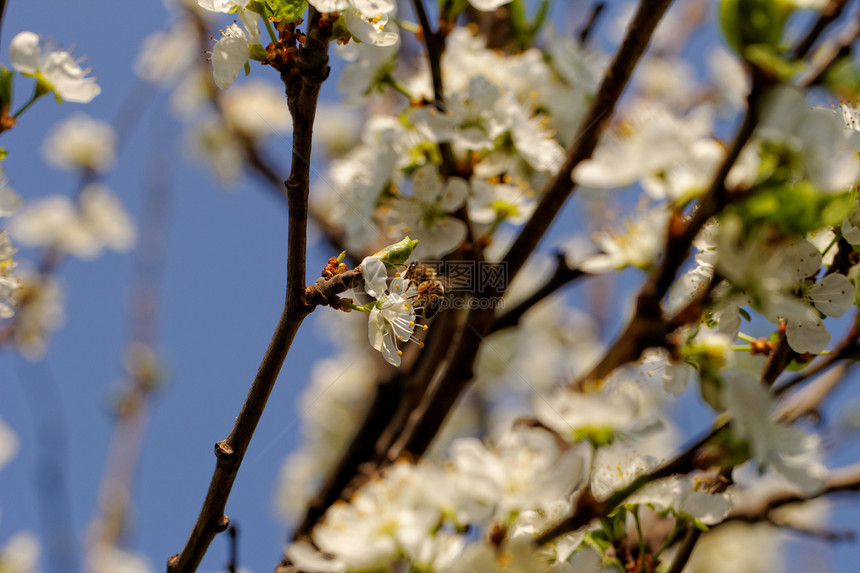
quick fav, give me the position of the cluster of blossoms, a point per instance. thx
(779, 258)
(502, 132)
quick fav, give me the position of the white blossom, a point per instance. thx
(527, 470)
(425, 215)
(367, 20)
(787, 450)
(20, 554)
(81, 142)
(57, 68)
(678, 495)
(97, 222)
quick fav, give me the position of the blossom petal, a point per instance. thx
(229, 56)
(374, 273)
(833, 295)
(24, 52)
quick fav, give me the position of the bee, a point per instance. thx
(430, 289)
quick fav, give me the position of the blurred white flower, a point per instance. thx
(8, 444)
(739, 548)
(387, 517)
(116, 560)
(20, 554)
(164, 56)
(729, 76)
(528, 469)
(9, 282)
(103, 215)
(827, 148)
(650, 140)
(57, 68)
(786, 450)
(99, 221)
(618, 410)
(9, 200)
(39, 313)
(676, 494)
(256, 109)
(425, 215)
(637, 245)
(488, 5)
(81, 142)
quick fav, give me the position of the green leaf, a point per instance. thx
(792, 208)
(747, 23)
(395, 255)
(287, 10)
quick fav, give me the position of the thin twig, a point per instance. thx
(132, 414)
(303, 84)
(846, 478)
(827, 15)
(809, 398)
(434, 42)
(841, 50)
(590, 23)
(562, 276)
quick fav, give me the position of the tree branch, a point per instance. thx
(563, 275)
(302, 81)
(648, 327)
(828, 15)
(434, 42)
(846, 478)
(639, 33)
(426, 420)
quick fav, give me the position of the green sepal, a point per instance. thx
(260, 8)
(341, 256)
(3, 153)
(711, 387)
(746, 315)
(395, 255)
(257, 53)
(339, 31)
(597, 436)
(768, 59)
(6, 76)
(451, 9)
(523, 32)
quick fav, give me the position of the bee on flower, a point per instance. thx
(392, 316)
